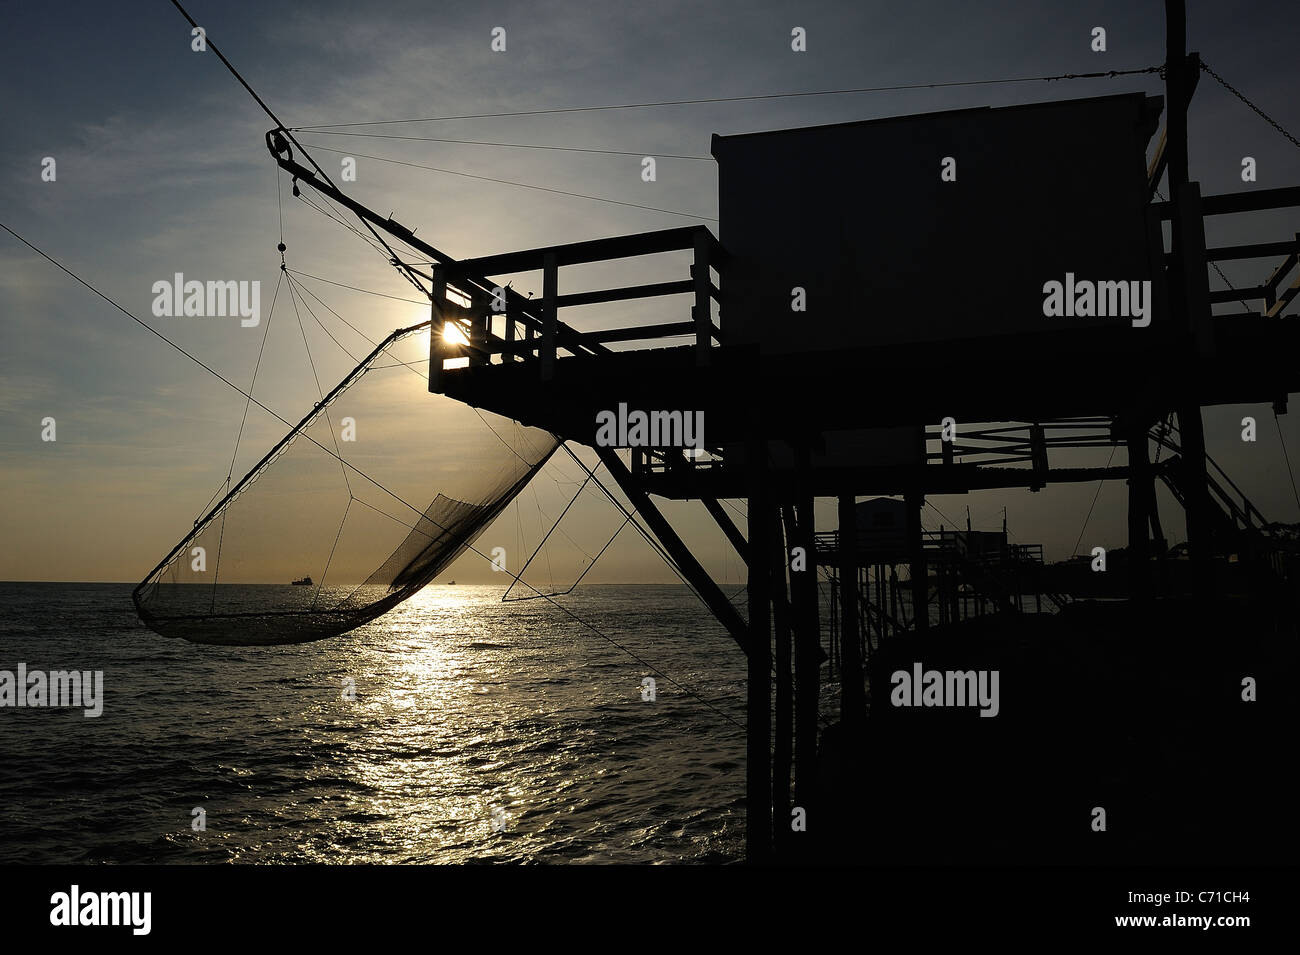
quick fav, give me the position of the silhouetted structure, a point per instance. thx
(843, 397)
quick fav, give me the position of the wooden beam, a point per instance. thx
(1233, 202)
(729, 528)
(758, 769)
(783, 744)
(1258, 251)
(703, 309)
(1287, 265)
(1190, 248)
(1176, 86)
(641, 332)
(807, 646)
(550, 292)
(512, 316)
(1237, 294)
(1158, 162)
(699, 578)
(1140, 496)
(853, 705)
(653, 290)
(1285, 299)
(591, 250)
(920, 579)
(438, 301)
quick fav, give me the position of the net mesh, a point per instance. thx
(362, 504)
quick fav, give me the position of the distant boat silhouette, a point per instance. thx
(451, 583)
(305, 582)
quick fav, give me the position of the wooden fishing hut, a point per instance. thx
(854, 299)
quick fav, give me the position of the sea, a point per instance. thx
(457, 728)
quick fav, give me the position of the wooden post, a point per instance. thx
(783, 744)
(550, 291)
(1196, 280)
(807, 653)
(1139, 496)
(530, 333)
(512, 313)
(1175, 87)
(853, 698)
(709, 591)
(480, 330)
(893, 595)
(835, 626)
(758, 718)
(436, 323)
(1190, 290)
(916, 546)
(1195, 298)
(703, 309)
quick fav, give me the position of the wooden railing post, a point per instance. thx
(550, 292)
(703, 310)
(436, 323)
(512, 311)
(480, 328)
(530, 333)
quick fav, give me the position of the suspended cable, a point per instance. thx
(480, 142)
(253, 383)
(355, 289)
(740, 99)
(338, 452)
(521, 185)
(304, 291)
(1282, 441)
(271, 113)
(335, 217)
(1088, 517)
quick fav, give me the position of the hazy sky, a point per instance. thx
(161, 168)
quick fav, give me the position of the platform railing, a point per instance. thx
(532, 331)
(1275, 298)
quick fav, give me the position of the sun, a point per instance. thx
(452, 335)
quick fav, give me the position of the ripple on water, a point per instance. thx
(457, 712)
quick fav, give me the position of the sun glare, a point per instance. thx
(452, 335)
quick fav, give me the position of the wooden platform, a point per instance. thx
(796, 397)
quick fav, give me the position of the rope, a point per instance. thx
(338, 452)
(253, 383)
(355, 289)
(325, 573)
(302, 290)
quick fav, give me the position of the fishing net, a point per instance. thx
(362, 504)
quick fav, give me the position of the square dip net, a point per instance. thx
(362, 504)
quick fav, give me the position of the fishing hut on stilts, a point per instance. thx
(855, 300)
